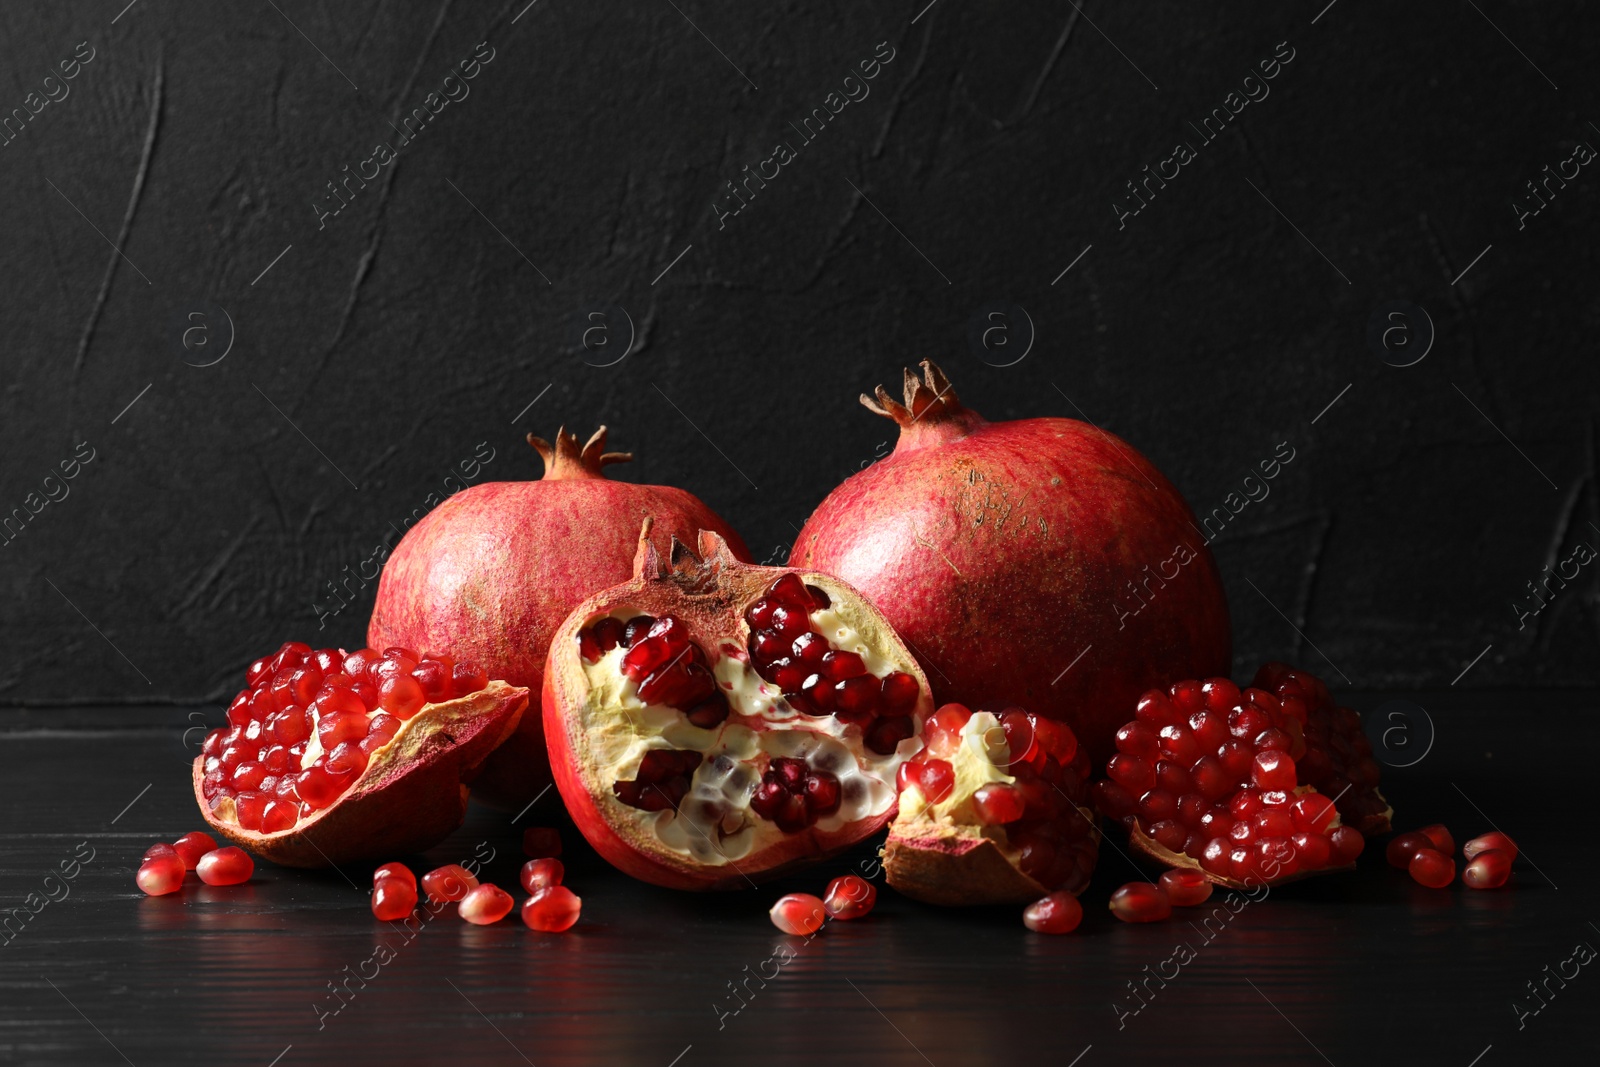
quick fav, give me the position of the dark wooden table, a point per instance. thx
(1361, 968)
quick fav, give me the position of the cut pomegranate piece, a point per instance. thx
(485, 905)
(1488, 869)
(1492, 840)
(1212, 779)
(799, 913)
(541, 874)
(160, 875)
(996, 812)
(1432, 868)
(1058, 913)
(708, 746)
(225, 866)
(541, 842)
(352, 762)
(1141, 902)
(448, 883)
(1337, 757)
(849, 896)
(552, 910)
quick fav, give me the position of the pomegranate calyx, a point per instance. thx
(567, 460)
(931, 413)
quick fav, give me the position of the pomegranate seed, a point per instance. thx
(1140, 902)
(1186, 888)
(1219, 695)
(1155, 710)
(225, 866)
(467, 678)
(1432, 868)
(898, 695)
(434, 678)
(935, 780)
(319, 787)
(542, 874)
(1489, 869)
(1402, 848)
(347, 758)
(394, 871)
(486, 904)
(798, 913)
(1347, 844)
(1136, 775)
(998, 803)
(540, 842)
(278, 816)
(552, 910)
(162, 849)
(399, 695)
(160, 875)
(382, 727)
(248, 809)
(1138, 739)
(1440, 838)
(1273, 770)
(1058, 913)
(849, 896)
(942, 734)
(1492, 840)
(450, 882)
(635, 629)
(712, 712)
(393, 898)
(1312, 850)
(191, 846)
(331, 702)
(885, 735)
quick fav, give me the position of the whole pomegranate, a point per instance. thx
(1041, 562)
(713, 723)
(489, 574)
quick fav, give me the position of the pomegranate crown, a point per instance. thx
(930, 402)
(696, 572)
(567, 460)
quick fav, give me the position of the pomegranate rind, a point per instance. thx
(709, 593)
(1161, 854)
(411, 796)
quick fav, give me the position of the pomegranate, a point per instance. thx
(1005, 552)
(1141, 902)
(332, 756)
(1058, 913)
(1338, 758)
(552, 910)
(995, 811)
(1207, 777)
(491, 572)
(711, 722)
(799, 913)
(849, 896)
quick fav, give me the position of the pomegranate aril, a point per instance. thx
(767, 647)
(1432, 868)
(1400, 850)
(248, 809)
(1492, 840)
(681, 684)
(191, 846)
(1155, 709)
(163, 850)
(1136, 775)
(1186, 888)
(448, 883)
(1058, 913)
(800, 914)
(347, 758)
(822, 793)
(849, 896)
(399, 695)
(467, 678)
(541, 842)
(1273, 770)
(393, 898)
(1488, 869)
(1140, 902)
(897, 694)
(998, 804)
(1313, 812)
(486, 904)
(434, 678)
(1312, 851)
(884, 735)
(319, 787)
(1347, 844)
(1439, 837)
(935, 780)
(278, 816)
(225, 866)
(711, 712)
(160, 875)
(394, 870)
(552, 910)
(541, 874)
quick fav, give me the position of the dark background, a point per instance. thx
(409, 330)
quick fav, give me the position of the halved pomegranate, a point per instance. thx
(995, 810)
(332, 756)
(712, 723)
(1208, 777)
(1338, 759)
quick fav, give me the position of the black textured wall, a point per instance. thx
(255, 387)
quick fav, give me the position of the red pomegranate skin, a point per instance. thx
(490, 573)
(1001, 551)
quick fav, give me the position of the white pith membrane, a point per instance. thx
(977, 761)
(713, 825)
